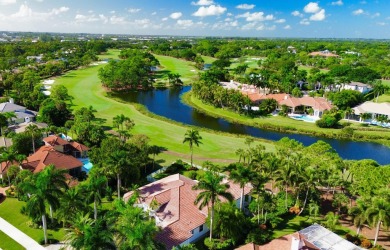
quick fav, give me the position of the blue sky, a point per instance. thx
(252, 18)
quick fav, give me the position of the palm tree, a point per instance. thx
(212, 189)
(72, 202)
(241, 175)
(284, 176)
(95, 188)
(44, 188)
(9, 116)
(314, 210)
(154, 150)
(118, 160)
(378, 213)
(89, 234)
(379, 89)
(331, 221)
(33, 130)
(192, 137)
(310, 183)
(358, 214)
(135, 228)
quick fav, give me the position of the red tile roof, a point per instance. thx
(47, 155)
(281, 243)
(177, 214)
(54, 140)
(80, 147)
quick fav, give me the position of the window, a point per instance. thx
(201, 228)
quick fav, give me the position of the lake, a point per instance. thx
(167, 103)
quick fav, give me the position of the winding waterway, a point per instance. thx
(167, 103)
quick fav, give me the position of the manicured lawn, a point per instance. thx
(250, 61)
(110, 54)
(386, 82)
(208, 59)
(10, 211)
(8, 243)
(297, 223)
(383, 98)
(307, 68)
(185, 68)
(85, 87)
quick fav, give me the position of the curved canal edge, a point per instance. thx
(167, 103)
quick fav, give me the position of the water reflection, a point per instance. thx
(167, 103)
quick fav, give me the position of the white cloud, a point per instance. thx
(381, 23)
(280, 21)
(117, 20)
(358, 12)
(203, 2)
(338, 3)
(228, 19)
(154, 13)
(245, 6)
(212, 10)
(319, 16)
(25, 13)
(304, 21)
(133, 10)
(256, 16)
(185, 23)
(287, 27)
(377, 14)
(312, 8)
(164, 19)
(297, 13)
(112, 12)
(82, 18)
(7, 2)
(175, 15)
(142, 23)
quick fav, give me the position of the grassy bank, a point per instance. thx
(7, 243)
(10, 211)
(285, 124)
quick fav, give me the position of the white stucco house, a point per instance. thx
(358, 86)
(171, 202)
(372, 108)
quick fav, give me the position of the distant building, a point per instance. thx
(358, 86)
(324, 53)
(372, 108)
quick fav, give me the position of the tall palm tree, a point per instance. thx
(378, 213)
(34, 131)
(284, 177)
(192, 137)
(72, 202)
(212, 189)
(358, 214)
(117, 161)
(44, 188)
(89, 234)
(135, 228)
(241, 175)
(95, 188)
(310, 183)
(331, 220)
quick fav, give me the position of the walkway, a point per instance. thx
(19, 236)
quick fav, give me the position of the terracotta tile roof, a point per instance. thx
(317, 103)
(80, 147)
(281, 243)
(54, 140)
(323, 53)
(47, 155)
(177, 214)
(5, 165)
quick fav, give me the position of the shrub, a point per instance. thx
(366, 243)
(259, 236)
(218, 244)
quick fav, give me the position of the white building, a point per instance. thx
(358, 86)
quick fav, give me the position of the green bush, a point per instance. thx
(218, 244)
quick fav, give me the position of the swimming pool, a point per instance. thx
(87, 165)
(305, 118)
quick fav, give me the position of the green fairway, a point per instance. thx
(7, 243)
(252, 62)
(208, 59)
(307, 68)
(85, 87)
(383, 98)
(110, 54)
(10, 211)
(173, 65)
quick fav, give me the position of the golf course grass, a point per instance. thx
(8, 243)
(84, 85)
(9, 211)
